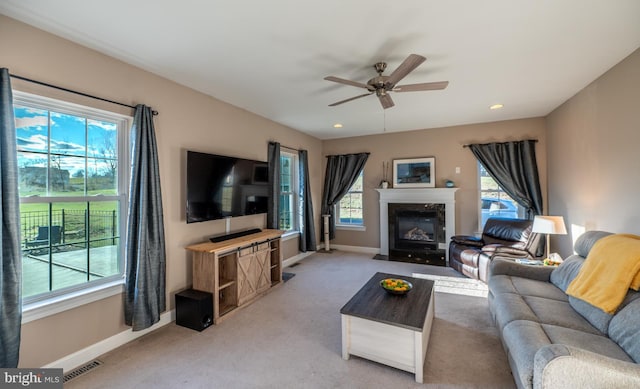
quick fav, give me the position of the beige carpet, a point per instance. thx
(291, 338)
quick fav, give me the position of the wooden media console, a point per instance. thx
(238, 270)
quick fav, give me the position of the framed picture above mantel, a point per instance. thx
(414, 173)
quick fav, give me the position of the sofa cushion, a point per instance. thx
(467, 240)
(510, 307)
(595, 343)
(569, 269)
(525, 286)
(624, 328)
(470, 257)
(585, 242)
(523, 339)
(594, 315)
(566, 272)
(513, 232)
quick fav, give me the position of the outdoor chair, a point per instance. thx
(42, 240)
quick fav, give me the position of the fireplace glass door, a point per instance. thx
(417, 233)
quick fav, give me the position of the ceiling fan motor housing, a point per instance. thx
(377, 83)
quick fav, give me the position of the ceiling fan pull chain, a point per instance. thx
(384, 112)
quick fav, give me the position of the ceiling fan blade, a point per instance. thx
(347, 82)
(347, 100)
(421, 87)
(406, 67)
(386, 101)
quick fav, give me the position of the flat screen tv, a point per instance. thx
(219, 187)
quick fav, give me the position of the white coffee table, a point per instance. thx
(390, 329)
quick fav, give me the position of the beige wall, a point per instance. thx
(593, 141)
(187, 120)
(446, 145)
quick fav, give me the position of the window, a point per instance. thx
(72, 168)
(288, 191)
(495, 202)
(349, 210)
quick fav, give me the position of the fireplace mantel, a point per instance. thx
(444, 196)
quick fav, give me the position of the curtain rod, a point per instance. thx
(285, 147)
(290, 148)
(337, 155)
(155, 113)
(531, 140)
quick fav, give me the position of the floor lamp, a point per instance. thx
(549, 225)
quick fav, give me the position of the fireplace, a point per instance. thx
(417, 233)
(426, 214)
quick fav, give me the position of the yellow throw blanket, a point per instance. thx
(610, 270)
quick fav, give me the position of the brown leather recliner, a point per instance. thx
(501, 238)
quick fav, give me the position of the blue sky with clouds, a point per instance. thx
(77, 140)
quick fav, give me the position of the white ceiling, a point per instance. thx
(270, 57)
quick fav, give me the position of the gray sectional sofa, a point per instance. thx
(556, 341)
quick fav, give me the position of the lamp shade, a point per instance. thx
(549, 225)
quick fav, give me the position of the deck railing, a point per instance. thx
(73, 229)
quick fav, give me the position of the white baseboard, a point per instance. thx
(87, 354)
(356, 249)
(296, 258)
(353, 249)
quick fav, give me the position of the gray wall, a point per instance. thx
(593, 142)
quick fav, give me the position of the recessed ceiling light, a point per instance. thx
(337, 125)
(496, 106)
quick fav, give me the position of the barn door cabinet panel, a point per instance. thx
(237, 271)
(254, 273)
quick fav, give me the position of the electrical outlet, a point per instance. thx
(457, 169)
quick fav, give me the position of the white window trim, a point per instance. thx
(348, 227)
(290, 235)
(82, 295)
(295, 185)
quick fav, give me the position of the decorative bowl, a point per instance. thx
(396, 285)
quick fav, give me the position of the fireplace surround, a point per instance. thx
(416, 224)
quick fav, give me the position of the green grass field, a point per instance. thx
(75, 206)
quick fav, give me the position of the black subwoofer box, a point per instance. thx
(194, 309)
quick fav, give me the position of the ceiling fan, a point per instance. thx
(382, 85)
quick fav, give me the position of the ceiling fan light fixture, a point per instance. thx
(337, 125)
(496, 106)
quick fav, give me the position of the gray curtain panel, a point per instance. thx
(342, 171)
(307, 227)
(146, 257)
(513, 166)
(11, 277)
(273, 208)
